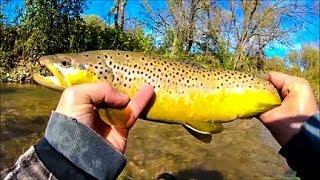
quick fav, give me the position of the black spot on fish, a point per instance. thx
(135, 66)
(127, 55)
(105, 77)
(96, 67)
(142, 58)
(106, 56)
(100, 72)
(98, 57)
(118, 54)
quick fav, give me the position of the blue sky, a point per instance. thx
(310, 35)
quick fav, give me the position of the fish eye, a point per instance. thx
(66, 63)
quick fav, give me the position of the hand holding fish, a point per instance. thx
(297, 106)
(81, 102)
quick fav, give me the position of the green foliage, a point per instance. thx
(49, 27)
(53, 26)
(303, 63)
(212, 46)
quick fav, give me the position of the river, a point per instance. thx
(244, 150)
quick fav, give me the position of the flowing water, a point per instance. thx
(244, 150)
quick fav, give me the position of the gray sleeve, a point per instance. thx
(83, 147)
(28, 166)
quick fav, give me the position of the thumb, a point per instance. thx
(139, 102)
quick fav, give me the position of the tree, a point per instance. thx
(180, 18)
(94, 33)
(52, 26)
(119, 14)
(310, 57)
(251, 25)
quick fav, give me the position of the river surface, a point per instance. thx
(244, 150)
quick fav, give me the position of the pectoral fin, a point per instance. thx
(115, 117)
(205, 127)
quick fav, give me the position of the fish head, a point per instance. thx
(71, 69)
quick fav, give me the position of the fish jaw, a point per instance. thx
(62, 77)
(57, 81)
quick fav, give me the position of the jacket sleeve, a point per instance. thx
(69, 150)
(302, 152)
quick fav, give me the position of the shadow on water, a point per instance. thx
(18, 133)
(17, 127)
(192, 174)
(8, 90)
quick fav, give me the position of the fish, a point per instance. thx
(199, 98)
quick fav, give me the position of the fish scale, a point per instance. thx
(194, 96)
(165, 72)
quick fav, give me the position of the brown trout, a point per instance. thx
(196, 97)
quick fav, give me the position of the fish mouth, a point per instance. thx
(50, 76)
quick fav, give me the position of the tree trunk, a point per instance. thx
(119, 14)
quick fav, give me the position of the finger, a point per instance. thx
(286, 88)
(139, 102)
(278, 79)
(271, 115)
(100, 93)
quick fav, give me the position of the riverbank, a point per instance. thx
(21, 73)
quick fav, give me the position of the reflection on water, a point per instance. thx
(244, 150)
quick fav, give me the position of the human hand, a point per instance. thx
(297, 106)
(81, 102)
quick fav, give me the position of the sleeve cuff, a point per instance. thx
(302, 152)
(83, 147)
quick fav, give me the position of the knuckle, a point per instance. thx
(69, 92)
